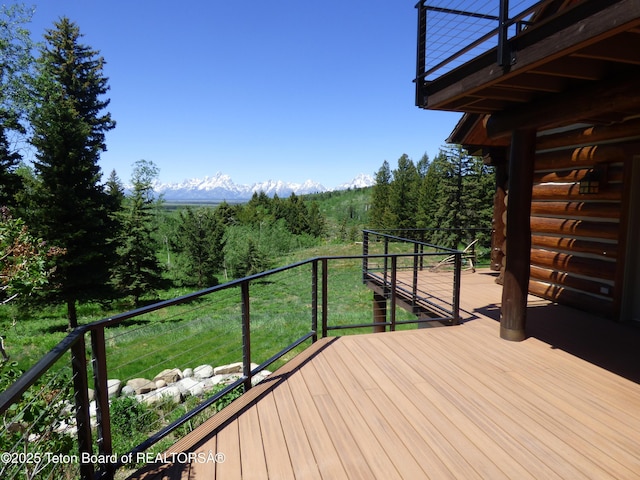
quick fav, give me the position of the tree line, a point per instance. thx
(67, 236)
(451, 195)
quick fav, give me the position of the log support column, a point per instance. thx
(516, 275)
(379, 312)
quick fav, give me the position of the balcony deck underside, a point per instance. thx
(565, 57)
(442, 402)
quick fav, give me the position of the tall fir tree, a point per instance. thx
(10, 181)
(379, 211)
(69, 127)
(403, 194)
(199, 237)
(137, 270)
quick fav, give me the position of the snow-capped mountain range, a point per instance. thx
(221, 187)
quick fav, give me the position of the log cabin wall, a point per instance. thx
(576, 245)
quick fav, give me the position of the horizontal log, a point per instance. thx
(590, 135)
(605, 250)
(582, 301)
(571, 192)
(615, 173)
(578, 157)
(616, 93)
(564, 279)
(574, 228)
(588, 267)
(576, 209)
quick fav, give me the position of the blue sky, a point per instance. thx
(282, 89)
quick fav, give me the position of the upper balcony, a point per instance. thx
(501, 58)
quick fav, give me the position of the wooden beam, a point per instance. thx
(569, 107)
(541, 44)
(588, 210)
(379, 312)
(622, 48)
(516, 275)
(591, 135)
(575, 245)
(571, 67)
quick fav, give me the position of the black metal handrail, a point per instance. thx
(386, 276)
(501, 33)
(75, 343)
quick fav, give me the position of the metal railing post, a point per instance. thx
(414, 287)
(81, 396)
(456, 288)
(103, 418)
(504, 53)
(365, 252)
(421, 54)
(386, 261)
(394, 271)
(246, 335)
(325, 300)
(314, 300)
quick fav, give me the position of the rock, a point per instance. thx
(216, 379)
(160, 383)
(227, 369)
(187, 372)
(173, 393)
(127, 391)
(197, 390)
(169, 375)
(190, 386)
(113, 387)
(141, 385)
(203, 371)
(91, 393)
(260, 376)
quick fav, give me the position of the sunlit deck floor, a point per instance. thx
(450, 402)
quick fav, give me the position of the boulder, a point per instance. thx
(203, 371)
(114, 387)
(160, 383)
(141, 385)
(259, 377)
(227, 369)
(173, 393)
(127, 391)
(169, 375)
(190, 386)
(187, 372)
(216, 379)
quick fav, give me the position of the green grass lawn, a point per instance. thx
(208, 330)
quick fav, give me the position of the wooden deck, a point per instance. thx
(443, 402)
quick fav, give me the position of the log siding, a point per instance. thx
(576, 237)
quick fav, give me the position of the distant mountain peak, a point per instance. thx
(221, 187)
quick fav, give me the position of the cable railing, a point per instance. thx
(451, 33)
(426, 283)
(69, 417)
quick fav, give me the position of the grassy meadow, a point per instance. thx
(208, 330)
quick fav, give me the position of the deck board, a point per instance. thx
(440, 403)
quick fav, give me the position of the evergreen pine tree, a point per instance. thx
(403, 194)
(10, 183)
(379, 211)
(137, 271)
(316, 221)
(69, 128)
(199, 236)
